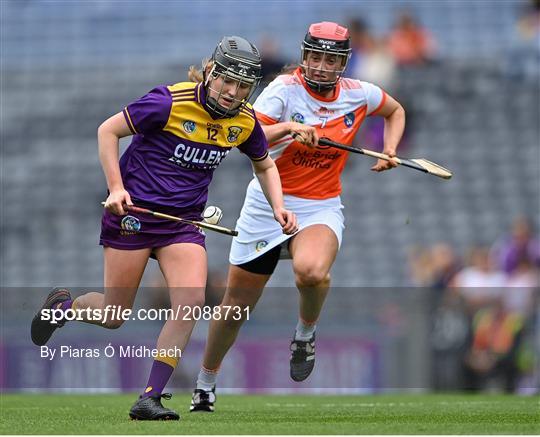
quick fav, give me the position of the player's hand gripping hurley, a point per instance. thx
(203, 225)
(419, 164)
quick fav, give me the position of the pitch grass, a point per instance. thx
(380, 414)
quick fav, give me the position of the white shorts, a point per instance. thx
(258, 231)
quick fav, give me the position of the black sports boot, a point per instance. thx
(42, 330)
(150, 408)
(203, 400)
(302, 358)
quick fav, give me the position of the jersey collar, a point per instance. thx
(200, 94)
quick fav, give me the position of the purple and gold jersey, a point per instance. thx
(177, 145)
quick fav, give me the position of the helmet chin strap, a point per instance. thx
(318, 87)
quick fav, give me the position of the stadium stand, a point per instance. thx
(67, 67)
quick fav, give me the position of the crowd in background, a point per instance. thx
(492, 291)
(486, 309)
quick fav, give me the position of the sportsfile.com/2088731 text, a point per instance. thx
(114, 312)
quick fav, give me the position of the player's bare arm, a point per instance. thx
(394, 125)
(268, 175)
(302, 133)
(109, 133)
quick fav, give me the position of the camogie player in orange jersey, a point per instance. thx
(295, 110)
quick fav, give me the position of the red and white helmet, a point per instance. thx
(326, 38)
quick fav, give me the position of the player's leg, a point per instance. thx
(244, 289)
(313, 250)
(184, 268)
(245, 285)
(123, 272)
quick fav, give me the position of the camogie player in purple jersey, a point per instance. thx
(181, 133)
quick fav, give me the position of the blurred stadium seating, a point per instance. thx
(67, 66)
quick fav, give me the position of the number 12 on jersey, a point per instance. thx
(212, 133)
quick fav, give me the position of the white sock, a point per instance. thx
(304, 332)
(206, 379)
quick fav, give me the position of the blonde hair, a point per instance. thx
(197, 75)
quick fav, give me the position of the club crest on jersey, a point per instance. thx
(130, 224)
(297, 117)
(260, 245)
(234, 132)
(349, 119)
(189, 126)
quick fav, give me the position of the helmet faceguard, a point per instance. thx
(235, 59)
(331, 42)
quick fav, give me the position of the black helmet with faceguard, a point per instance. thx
(234, 59)
(328, 40)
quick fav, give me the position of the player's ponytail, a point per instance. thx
(197, 75)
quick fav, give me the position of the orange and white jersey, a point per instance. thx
(306, 172)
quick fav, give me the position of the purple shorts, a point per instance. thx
(139, 231)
